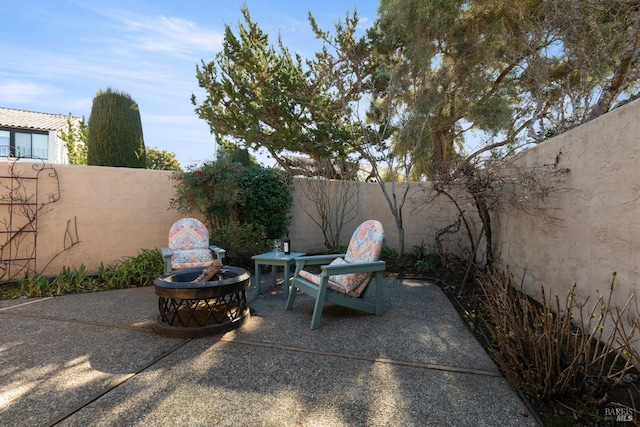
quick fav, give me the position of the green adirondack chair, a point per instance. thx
(344, 278)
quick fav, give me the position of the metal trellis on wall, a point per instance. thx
(22, 191)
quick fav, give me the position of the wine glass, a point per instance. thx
(276, 247)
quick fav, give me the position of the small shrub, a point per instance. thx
(388, 254)
(420, 251)
(423, 266)
(136, 271)
(424, 260)
(35, 286)
(555, 349)
(241, 241)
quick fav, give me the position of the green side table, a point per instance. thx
(275, 260)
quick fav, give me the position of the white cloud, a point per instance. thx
(22, 92)
(175, 36)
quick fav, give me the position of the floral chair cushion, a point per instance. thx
(365, 246)
(191, 259)
(189, 242)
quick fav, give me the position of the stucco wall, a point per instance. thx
(119, 211)
(581, 232)
(589, 225)
(116, 212)
(422, 217)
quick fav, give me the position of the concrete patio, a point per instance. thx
(93, 359)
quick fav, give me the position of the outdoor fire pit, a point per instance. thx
(191, 309)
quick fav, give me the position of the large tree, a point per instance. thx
(513, 72)
(369, 92)
(600, 59)
(76, 142)
(424, 77)
(115, 131)
(262, 96)
(509, 70)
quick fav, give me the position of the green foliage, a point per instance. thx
(210, 190)
(128, 272)
(432, 71)
(115, 131)
(136, 271)
(262, 96)
(424, 260)
(388, 253)
(235, 154)
(420, 251)
(241, 241)
(35, 286)
(265, 199)
(162, 160)
(76, 142)
(225, 192)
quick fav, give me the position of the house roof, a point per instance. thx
(33, 120)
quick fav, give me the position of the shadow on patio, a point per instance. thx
(92, 359)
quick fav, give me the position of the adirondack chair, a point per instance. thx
(189, 246)
(344, 278)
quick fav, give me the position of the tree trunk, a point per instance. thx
(477, 189)
(439, 151)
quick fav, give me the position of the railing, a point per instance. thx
(24, 153)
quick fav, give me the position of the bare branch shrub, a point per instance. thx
(553, 349)
(336, 205)
(480, 187)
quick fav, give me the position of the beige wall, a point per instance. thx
(589, 226)
(582, 232)
(421, 220)
(116, 211)
(119, 211)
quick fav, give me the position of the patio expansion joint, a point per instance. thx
(413, 364)
(116, 383)
(7, 312)
(25, 303)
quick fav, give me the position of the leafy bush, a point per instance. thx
(265, 199)
(210, 190)
(241, 241)
(225, 192)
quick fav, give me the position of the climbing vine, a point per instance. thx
(27, 193)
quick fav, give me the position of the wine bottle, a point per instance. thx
(287, 245)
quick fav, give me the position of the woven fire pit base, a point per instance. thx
(197, 309)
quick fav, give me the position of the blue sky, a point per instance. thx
(57, 54)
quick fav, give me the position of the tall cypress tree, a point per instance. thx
(115, 131)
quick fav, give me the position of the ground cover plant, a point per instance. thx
(127, 272)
